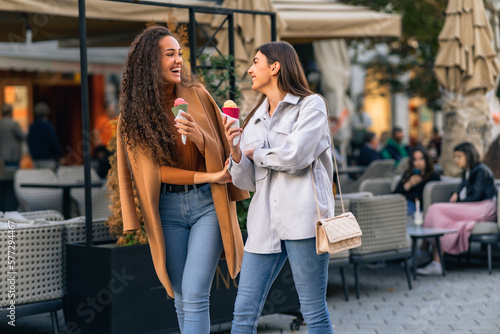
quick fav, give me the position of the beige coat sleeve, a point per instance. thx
(129, 214)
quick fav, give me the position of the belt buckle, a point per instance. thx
(186, 188)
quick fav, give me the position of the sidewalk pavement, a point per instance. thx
(467, 300)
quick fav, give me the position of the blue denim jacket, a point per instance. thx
(286, 144)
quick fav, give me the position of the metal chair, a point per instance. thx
(35, 199)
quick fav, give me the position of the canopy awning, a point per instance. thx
(108, 22)
(116, 23)
(326, 19)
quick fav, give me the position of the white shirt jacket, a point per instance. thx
(286, 144)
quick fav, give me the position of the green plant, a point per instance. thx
(242, 209)
(216, 73)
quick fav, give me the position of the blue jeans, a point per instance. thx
(310, 274)
(193, 245)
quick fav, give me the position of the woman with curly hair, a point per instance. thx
(420, 171)
(185, 197)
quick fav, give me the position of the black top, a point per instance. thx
(367, 155)
(42, 141)
(417, 190)
(480, 184)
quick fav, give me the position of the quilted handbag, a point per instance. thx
(338, 233)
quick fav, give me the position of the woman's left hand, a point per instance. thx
(189, 128)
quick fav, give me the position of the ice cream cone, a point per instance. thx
(176, 109)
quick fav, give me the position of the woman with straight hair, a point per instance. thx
(285, 141)
(420, 171)
(187, 204)
(473, 201)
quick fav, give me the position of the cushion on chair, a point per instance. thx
(485, 228)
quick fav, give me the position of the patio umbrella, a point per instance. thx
(466, 67)
(466, 61)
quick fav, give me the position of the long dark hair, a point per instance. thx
(144, 123)
(429, 166)
(291, 77)
(470, 152)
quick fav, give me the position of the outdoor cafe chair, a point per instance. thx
(383, 221)
(377, 169)
(376, 186)
(402, 166)
(35, 199)
(75, 174)
(47, 215)
(100, 203)
(38, 264)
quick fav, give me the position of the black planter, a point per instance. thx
(113, 290)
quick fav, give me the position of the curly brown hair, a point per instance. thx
(142, 103)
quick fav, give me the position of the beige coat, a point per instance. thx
(147, 176)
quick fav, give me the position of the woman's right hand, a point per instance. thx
(454, 198)
(412, 182)
(221, 177)
(231, 133)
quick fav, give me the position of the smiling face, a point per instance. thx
(261, 73)
(171, 60)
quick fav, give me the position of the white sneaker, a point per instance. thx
(433, 268)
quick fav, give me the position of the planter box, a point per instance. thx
(113, 290)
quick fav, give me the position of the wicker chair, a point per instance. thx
(438, 191)
(383, 222)
(377, 169)
(100, 203)
(72, 174)
(376, 186)
(34, 199)
(47, 215)
(38, 263)
(402, 166)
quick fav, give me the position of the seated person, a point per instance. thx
(473, 201)
(420, 171)
(368, 152)
(394, 148)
